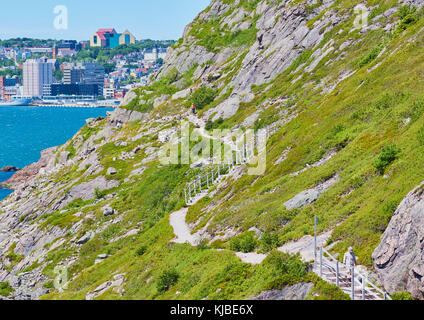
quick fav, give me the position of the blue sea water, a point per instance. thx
(26, 131)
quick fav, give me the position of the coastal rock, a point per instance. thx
(399, 259)
(29, 172)
(296, 292)
(9, 169)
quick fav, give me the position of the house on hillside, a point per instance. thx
(109, 38)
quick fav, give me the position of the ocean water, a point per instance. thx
(26, 131)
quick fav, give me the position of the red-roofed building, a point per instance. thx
(109, 38)
(101, 37)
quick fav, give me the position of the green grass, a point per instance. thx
(5, 289)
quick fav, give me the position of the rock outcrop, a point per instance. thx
(29, 172)
(399, 260)
(9, 169)
(296, 292)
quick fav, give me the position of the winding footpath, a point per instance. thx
(304, 246)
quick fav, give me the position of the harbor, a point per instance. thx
(62, 102)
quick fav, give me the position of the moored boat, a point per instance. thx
(16, 102)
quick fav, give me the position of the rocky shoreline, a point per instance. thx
(9, 169)
(5, 185)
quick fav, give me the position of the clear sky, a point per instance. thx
(154, 19)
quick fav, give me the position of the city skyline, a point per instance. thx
(160, 20)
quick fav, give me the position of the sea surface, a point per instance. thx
(26, 131)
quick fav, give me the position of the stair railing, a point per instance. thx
(364, 282)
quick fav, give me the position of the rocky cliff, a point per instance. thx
(344, 112)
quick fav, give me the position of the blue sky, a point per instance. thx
(154, 19)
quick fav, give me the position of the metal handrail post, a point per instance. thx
(315, 238)
(352, 270)
(363, 287)
(337, 274)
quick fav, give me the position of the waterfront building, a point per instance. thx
(72, 74)
(36, 74)
(94, 74)
(76, 89)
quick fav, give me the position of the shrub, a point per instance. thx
(420, 136)
(406, 10)
(388, 155)
(49, 284)
(408, 15)
(210, 125)
(98, 194)
(140, 251)
(5, 289)
(287, 269)
(269, 241)
(370, 56)
(404, 295)
(166, 280)
(203, 96)
(245, 242)
(203, 245)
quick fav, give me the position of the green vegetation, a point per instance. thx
(203, 97)
(5, 289)
(210, 125)
(245, 242)
(404, 295)
(166, 280)
(388, 155)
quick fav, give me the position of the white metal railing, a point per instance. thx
(205, 181)
(355, 276)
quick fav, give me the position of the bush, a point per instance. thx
(140, 251)
(404, 295)
(287, 269)
(370, 56)
(406, 10)
(388, 155)
(98, 194)
(166, 280)
(246, 242)
(5, 289)
(203, 245)
(408, 15)
(269, 241)
(420, 136)
(203, 96)
(210, 125)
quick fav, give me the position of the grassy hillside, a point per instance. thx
(362, 102)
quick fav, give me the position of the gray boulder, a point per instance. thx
(296, 292)
(308, 196)
(85, 238)
(111, 171)
(108, 212)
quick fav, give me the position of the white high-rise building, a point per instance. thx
(36, 74)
